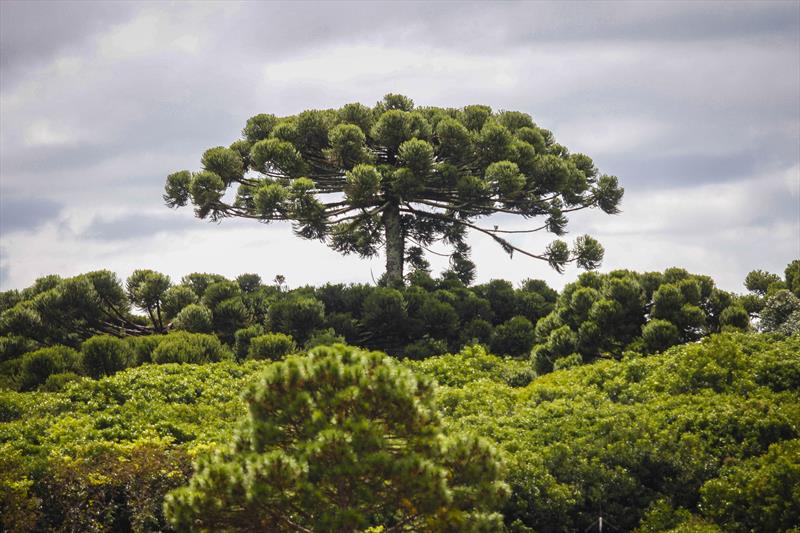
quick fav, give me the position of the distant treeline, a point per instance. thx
(94, 324)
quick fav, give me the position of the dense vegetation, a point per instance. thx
(584, 411)
(702, 434)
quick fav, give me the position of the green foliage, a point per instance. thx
(323, 337)
(146, 290)
(658, 335)
(342, 440)
(474, 363)
(113, 487)
(39, 365)
(385, 313)
(760, 282)
(297, 316)
(514, 337)
(272, 346)
(603, 315)
(58, 382)
(19, 506)
(781, 313)
(184, 347)
(622, 435)
(103, 355)
(701, 437)
(175, 299)
(194, 318)
(242, 339)
(792, 276)
(142, 348)
(757, 494)
(68, 311)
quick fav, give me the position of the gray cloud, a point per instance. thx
(25, 213)
(135, 226)
(32, 32)
(101, 100)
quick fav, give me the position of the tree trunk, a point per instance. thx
(395, 246)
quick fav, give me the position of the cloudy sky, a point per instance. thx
(695, 106)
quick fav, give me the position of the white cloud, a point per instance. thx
(45, 133)
(368, 62)
(605, 135)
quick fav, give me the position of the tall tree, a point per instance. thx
(401, 177)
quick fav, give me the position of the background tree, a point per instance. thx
(401, 178)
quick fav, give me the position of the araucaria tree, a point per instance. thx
(401, 177)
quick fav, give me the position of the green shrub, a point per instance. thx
(735, 316)
(323, 337)
(778, 309)
(103, 355)
(39, 365)
(758, 494)
(474, 363)
(297, 316)
(658, 335)
(272, 346)
(425, 347)
(113, 487)
(568, 361)
(57, 382)
(13, 346)
(184, 347)
(20, 509)
(194, 318)
(242, 338)
(477, 331)
(175, 299)
(385, 314)
(514, 337)
(229, 316)
(142, 348)
(9, 373)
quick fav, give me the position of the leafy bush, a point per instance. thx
(183, 347)
(658, 335)
(57, 382)
(424, 348)
(272, 346)
(474, 363)
(735, 316)
(194, 318)
(12, 346)
(242, 338)
(514, 337)
(622, 435)
(297, 316)
(39, 365)
(779, 309)
(323, 337)
(175, 299)
(758, 494)
(604, 315)
(143, 347)
(103, 355)
(114, 487)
